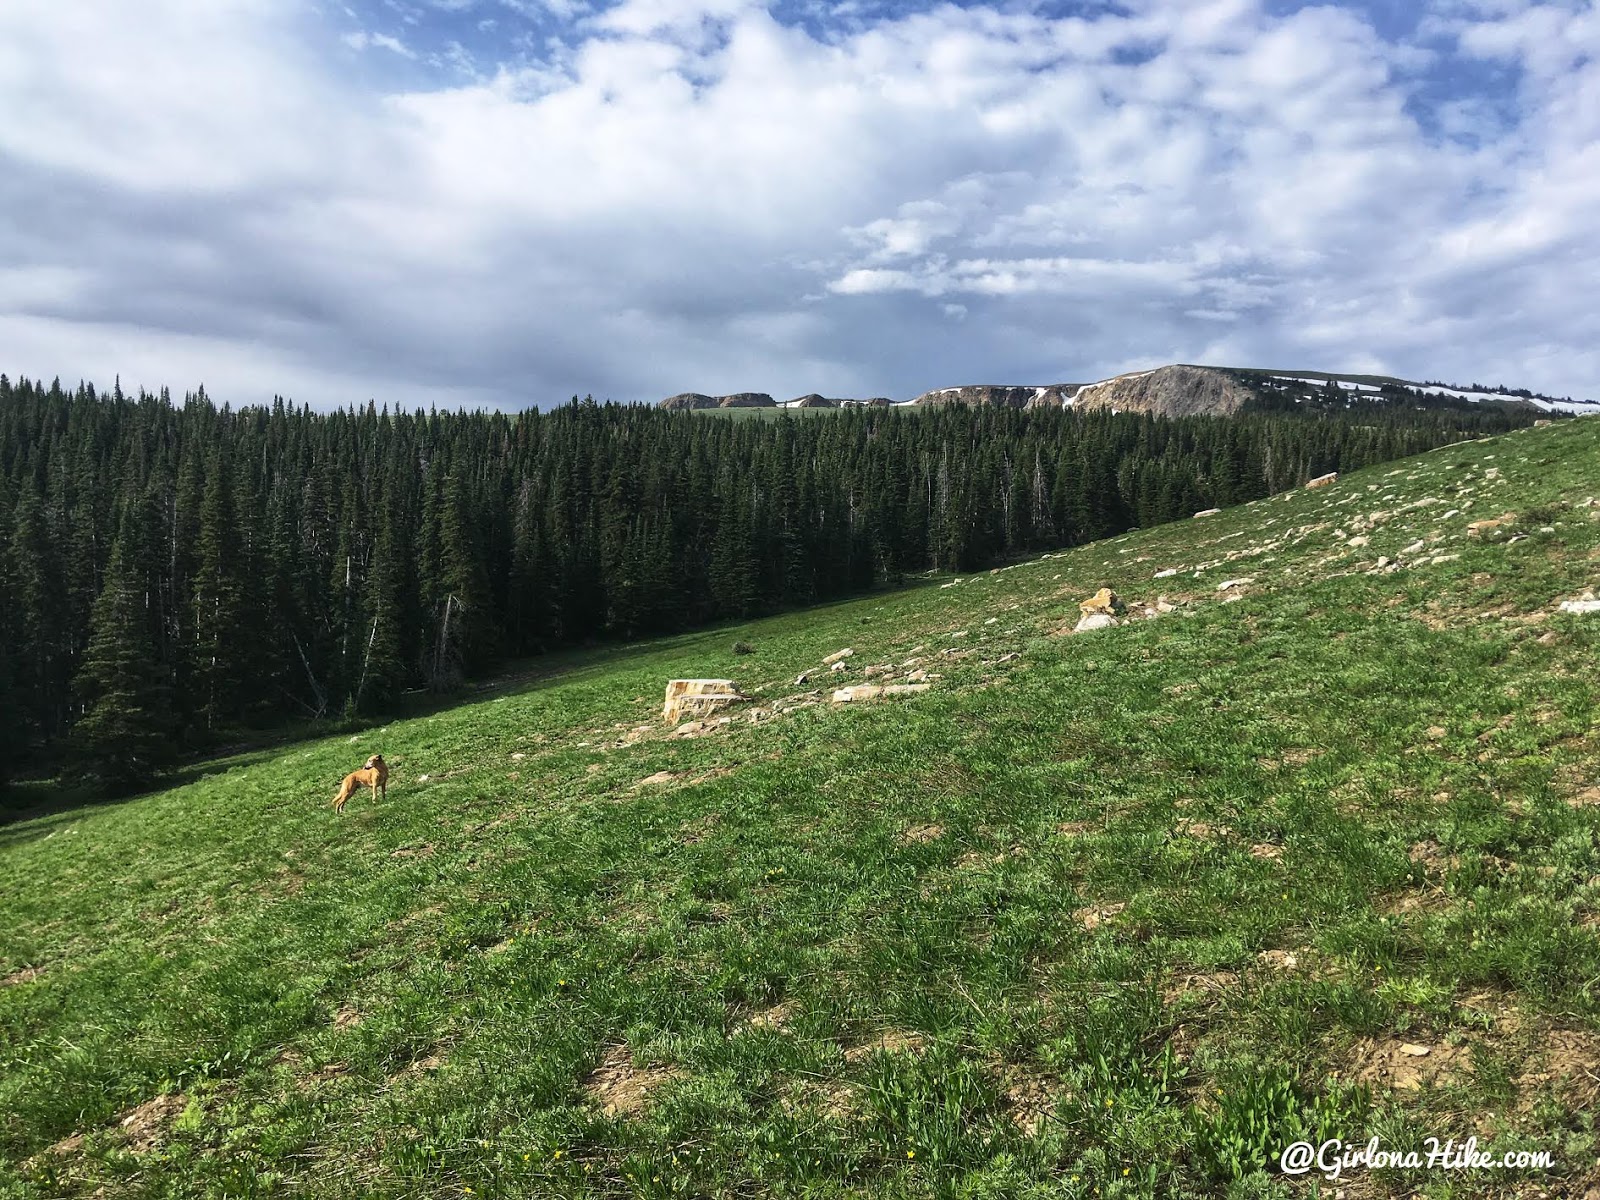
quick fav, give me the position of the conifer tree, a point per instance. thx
(123, 735)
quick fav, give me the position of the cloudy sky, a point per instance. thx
(506, 202)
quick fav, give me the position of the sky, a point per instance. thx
(505, 203)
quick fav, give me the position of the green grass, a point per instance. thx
(1121, 915)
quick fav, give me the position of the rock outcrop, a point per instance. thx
(697, 400)
(1050, 396)
(812, 400)
(688, 400)
(698, 697)
(1168, 392)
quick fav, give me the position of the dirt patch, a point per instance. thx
(1587, 798)
(1266, 850)
(1094, 916)
(1431, 856)
(894, 1041)
(620, 1088)
(833, 1098)
(696, 831)
(777, 1017)
(660, 777)
(1207, 984)
(1280, 960)
(1568, 1064)
(1203, 831)
(1408, 1065)
(145, 1127)
(348, 1017)
(1030, 1098)
(919, 834)
(1403, 903)
(1074, 828)
(25, 975)
(423, 851)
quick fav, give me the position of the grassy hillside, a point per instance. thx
(1112, 914)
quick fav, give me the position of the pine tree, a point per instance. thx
(124, 733)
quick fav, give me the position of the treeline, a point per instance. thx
(170, 574)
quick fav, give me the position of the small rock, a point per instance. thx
(838, 656)
(1093, 621)
(1207, 512)
(1412, 1050)
(837, 667)
(1167, 574)
(1323, 480)
(864, 691)
(1228, 585)
(1414, 547)
(803, 678)
(1580, 606)
(1358, 541)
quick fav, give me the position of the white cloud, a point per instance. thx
(687, 193)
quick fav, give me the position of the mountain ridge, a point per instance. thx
(1172, 390)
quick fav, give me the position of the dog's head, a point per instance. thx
(375, 761)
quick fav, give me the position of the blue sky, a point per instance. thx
(505, 202)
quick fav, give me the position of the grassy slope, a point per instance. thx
(1116, 917)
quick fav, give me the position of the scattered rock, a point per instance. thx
(802, 679)
(1590, 605)
(1167, 574)
(838, 656)
(1206, 512)
(1227, 585)
(1093, 621)
(1358, 541)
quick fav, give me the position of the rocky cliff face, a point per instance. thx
(1168, 392)
(1051, 396)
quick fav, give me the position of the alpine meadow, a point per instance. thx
(1298, 843)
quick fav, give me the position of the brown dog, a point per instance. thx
(374, 775)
